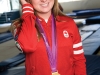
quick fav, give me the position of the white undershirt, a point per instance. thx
(46, 20)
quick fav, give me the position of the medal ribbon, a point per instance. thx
(51, 52)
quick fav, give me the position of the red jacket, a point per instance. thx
(70, 53)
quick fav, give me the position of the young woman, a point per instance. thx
(49, 39)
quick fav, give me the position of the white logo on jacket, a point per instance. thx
(65, 33)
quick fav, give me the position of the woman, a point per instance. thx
(49, 39)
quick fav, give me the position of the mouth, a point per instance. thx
(45, 4)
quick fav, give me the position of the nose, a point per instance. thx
(43, 0)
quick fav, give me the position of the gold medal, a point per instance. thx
(55, 73)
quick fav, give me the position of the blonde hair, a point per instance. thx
(56, 10)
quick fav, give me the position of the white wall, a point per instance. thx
(4, 6)
(15, 4)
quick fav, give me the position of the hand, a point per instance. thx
(23, 2)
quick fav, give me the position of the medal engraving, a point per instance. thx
(55, 73)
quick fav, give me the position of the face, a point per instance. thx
(43, 6)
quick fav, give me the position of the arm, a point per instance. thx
(78, 52)
(27, 35)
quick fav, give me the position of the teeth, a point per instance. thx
(44, 4)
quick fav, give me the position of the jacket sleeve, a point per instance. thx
(27, 35)
(78, 52)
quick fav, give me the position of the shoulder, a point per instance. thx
(69, 22)
(64, 18)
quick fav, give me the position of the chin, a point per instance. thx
(45, 11)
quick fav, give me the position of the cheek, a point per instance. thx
(52, 3)
(34, 3)
(36, 7)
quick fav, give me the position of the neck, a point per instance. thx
(45, 16)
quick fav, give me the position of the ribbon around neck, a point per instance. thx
(51, 52)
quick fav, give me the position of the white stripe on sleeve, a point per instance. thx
(77, 45)
(28, 7)
(17, 44)
(79, 51)
(27, 11)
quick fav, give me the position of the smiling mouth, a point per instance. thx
(45, 5)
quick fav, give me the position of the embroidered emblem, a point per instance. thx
(65, 33)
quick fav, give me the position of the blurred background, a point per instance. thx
(85, 13)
